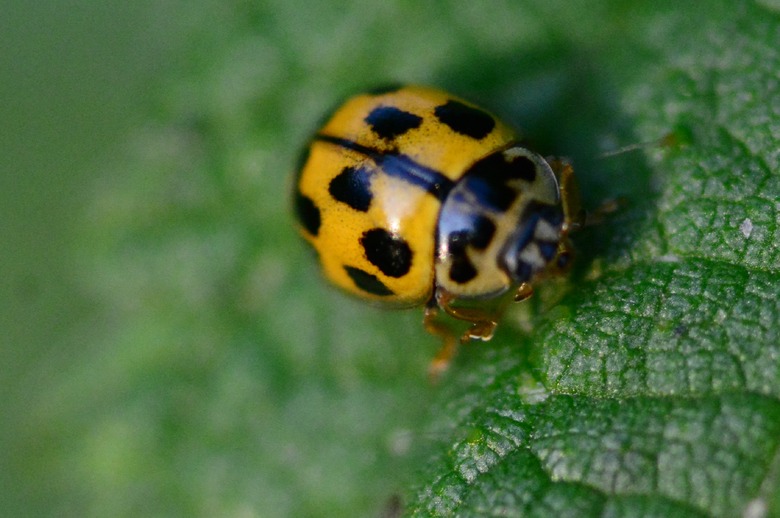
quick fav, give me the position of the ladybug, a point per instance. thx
(412, 196)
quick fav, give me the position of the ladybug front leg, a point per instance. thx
(483, 322)
(483, 326)
(573, 214)
(449, 345)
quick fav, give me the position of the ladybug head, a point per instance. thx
(535, 242)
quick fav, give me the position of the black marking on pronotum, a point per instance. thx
(497, 196)
(399, 166)
(352, 186)
(477, 232)
(367, 282)
(484, 229)
(388, 122)
(521, 167)
(308, 213)
(465, 120)
(387, 251)
(488, 179)
(496, 168)
(462, 271)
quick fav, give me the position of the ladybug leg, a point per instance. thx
(449, 345)
(483, 323)
(573, 214)
(524, 292)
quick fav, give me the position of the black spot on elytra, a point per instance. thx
(388, 252)
(465, 120)
(398, 165)
(308, 213)
(389, 122)
(352, 186)
(367, 282)
(462, 271)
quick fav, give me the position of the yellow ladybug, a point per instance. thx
(413, 196)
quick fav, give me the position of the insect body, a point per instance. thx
(412, 196)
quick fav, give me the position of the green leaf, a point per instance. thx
(220, 376)
(652, 387)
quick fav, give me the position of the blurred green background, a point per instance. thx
(168, 347)
(74, 81)
(75, 78)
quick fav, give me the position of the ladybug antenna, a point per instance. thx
(676, 138)
(626, 149)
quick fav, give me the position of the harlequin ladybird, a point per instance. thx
(413, 196)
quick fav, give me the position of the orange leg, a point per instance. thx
(449, 346)
(524, 292)
(483, 323)
(573, 215)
